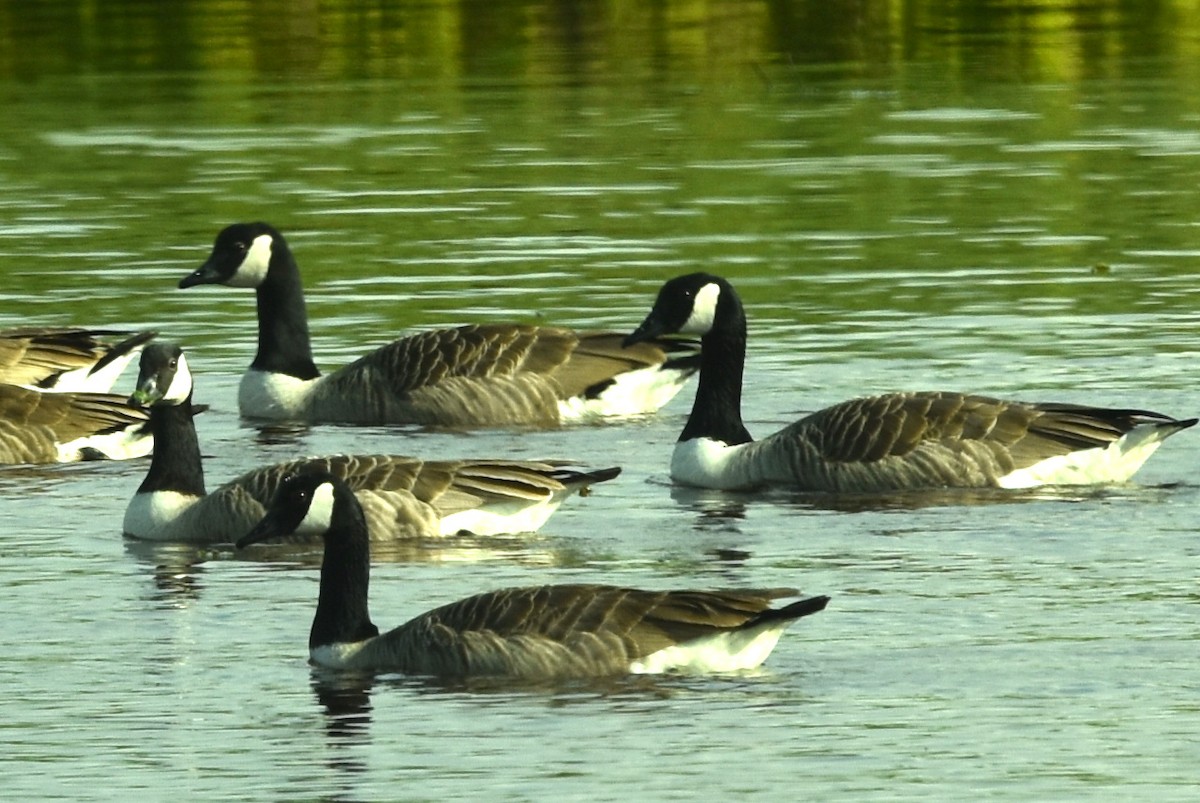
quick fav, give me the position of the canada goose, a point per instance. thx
(37, 427)
(534, 633)
(403, 496)
(895, 441)
(66, 359)
(479, 375)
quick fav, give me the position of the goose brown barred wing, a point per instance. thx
(35, 423)
(69, 415)
(476, 351)
(37, 356)
(599, 357)
(565, 630)
(935, 439)
(407, 497)
(469, 376)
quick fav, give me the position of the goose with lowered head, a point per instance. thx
(402, 496)
(481, 375)
(533, 633)
(890, 442)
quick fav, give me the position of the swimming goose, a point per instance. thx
(542, 632)
(403, 496)
(479, 375)
(37, 427)
(66, 359)
(895, 441)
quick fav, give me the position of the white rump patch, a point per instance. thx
(631, 393)
(149, 515)
(728, 651)
(501, 519)
(710, 463)
(253, 270)
(132, 441)
(1116, 462)
(263, 394)
(704, 310)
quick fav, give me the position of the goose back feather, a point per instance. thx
(888, 442)
(475, 375)
(537, 633)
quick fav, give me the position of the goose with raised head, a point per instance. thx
(402, 496)
(38, 427)
(67, 359)
(478, 375)
(537, 633)
(895, 441)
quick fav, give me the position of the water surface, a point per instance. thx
(970, 211)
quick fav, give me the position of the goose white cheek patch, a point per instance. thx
(181, 383)
(253, 270)
(704, 311)
(320, 510)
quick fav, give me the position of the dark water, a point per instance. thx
(906, 198)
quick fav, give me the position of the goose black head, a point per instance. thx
(163, 377)
(304, 503)
(685, 305)
(241, 257)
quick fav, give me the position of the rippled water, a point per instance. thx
(1034, 242)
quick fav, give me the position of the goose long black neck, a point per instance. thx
(283, 341)
(717, 410)
(176, 464)
(342, 614)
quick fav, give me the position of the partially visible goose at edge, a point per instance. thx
(37, 427)
(557, 631)
(477, 375)
(894, 441)
(403, 496)
(67, 358)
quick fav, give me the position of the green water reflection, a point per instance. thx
(581, 42)
(585, 42)
(996, 196)
(1045, 153)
